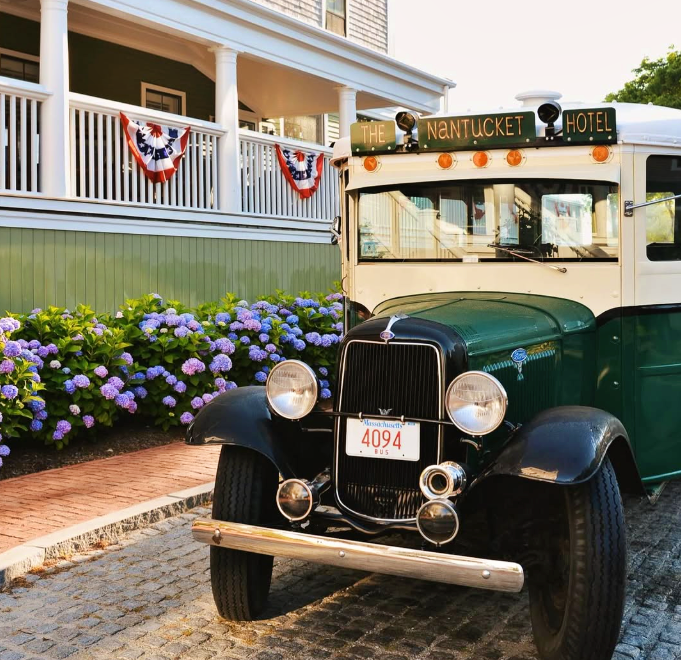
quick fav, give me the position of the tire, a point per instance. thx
(577, 595)
(245, 491)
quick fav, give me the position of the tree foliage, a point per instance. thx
(657, 81)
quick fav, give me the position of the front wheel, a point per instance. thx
(245, 490)
(577, 591)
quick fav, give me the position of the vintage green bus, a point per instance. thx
(511, 363)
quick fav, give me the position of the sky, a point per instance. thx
(494, 49)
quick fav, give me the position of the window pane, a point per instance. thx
(489, 220)
(336, 6)
(162, 101)
(304, 127)
(663, 220)
(16, 67)
(335, 23)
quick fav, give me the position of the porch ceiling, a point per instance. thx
(307, 53)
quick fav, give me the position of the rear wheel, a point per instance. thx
(245, 490)
(577, 591)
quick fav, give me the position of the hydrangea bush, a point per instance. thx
(64, 372)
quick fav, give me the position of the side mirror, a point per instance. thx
(335, 230)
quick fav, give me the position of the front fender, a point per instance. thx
(566, 445)
(242, 418)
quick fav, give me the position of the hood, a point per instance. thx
(490, 321)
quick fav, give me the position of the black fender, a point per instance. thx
(242, 418)
(566, 445)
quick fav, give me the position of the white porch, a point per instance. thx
(65, 153)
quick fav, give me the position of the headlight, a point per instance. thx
(291, 389)
(476, 402)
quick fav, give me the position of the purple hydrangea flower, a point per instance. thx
(323, 371)
(180, 387)
(325, 393)
(36, 425)
(78, 337)
(271, 348)
(231, 385)
(169, 401)
(197, 402)
(261, 376)
(101, 371)
(63, 426)
(207, 397)
(140, 392)
(52, 349)
(89, 421)
(171, 380)
(122, 401)
(299, 344)
(220, 383)
(326, 341)
(274, 357)
(12, 349)
(296, 332)
(41, 415)
(236, 326)
(6, 367)
(81, 381)
(132, 407)
(96, 331)
(69, 386)
(194, 325)
(222, 317)
(180, 332)
(127, 358)
(116, 382)
(109, 391)
(43, 352)
(220, 364)
(324, 311)
(186, 418)
(257, 354)
(252, 324)
(245, 341)
(264, 338)
(313, 338)
(225, 346)
(57, 435)
(192, 366)
(334, 296)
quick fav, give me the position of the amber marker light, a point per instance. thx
(514, 157)
(601, 154)
(445, 161)
(370, 163)
(481, 159)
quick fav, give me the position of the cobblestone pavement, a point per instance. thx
(149, 597)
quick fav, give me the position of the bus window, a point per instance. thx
(663, 220)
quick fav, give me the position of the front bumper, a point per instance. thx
(375, 558)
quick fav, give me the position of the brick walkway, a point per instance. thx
(45, 502)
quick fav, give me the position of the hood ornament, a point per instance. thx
(388, 334)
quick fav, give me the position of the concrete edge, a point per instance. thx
(109, 528)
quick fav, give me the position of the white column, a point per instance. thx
(347, 109)
(227, 114)
(54, 119)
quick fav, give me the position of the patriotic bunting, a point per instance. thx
(157, 149)
(302, 171)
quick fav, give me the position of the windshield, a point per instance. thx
(490, 220)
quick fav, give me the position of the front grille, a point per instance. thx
(406, 379)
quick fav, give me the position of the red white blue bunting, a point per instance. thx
(302, 171)
(157, 149)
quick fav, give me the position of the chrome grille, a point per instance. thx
(406, 379)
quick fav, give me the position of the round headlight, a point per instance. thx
(476, 402)
(291, 389)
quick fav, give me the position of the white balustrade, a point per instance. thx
(104, 169)
(265, 191)
(19, 140)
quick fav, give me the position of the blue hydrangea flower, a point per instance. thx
(180, 387)
(263, 338)
(57, 435)
(261, 376)
(325, 393)
(270, 348)
(292, 319)
(63, 426)
(324, 311)
(274, 357)
(296, 332)
(43, 352)
(6, 367)
(299, 344)
(108, 391)
(197, 402)
(41, 415)
(313, 338)
(220, 363)
(245, 340)
(180, 332)
(257, 354)
(225, 346)
(231, 385)
(186, 418)
(36, 425)
(236, 326)
(12, 349)
(232, 336)
(171, 380)
(220, 383)
(69, 386)
(169, 401)
(122, 401)
(222, 317)
(323, 371)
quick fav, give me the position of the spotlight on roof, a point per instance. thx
(406, 121)
(548, 113)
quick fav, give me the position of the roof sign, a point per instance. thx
(368, 136)
(471, 131)
(590, 125)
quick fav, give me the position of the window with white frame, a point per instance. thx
(165, 99)
(336, 16)
(19, 65)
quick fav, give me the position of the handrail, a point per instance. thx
(95, 104)
(23, 88)
(264, 138)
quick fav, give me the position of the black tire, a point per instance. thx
(245, 490)
(577, 597)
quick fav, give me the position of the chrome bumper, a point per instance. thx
(435, 566)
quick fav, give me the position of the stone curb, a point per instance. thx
(77, 538)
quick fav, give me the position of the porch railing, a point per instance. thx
(103, 168)
(19, 143)
(265, 191)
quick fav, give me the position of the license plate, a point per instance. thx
(380, 438)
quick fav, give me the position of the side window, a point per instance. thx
(19, 65)
(164, 99)
(663, 220)
(335, 19)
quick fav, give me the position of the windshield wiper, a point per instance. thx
(497, 246)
